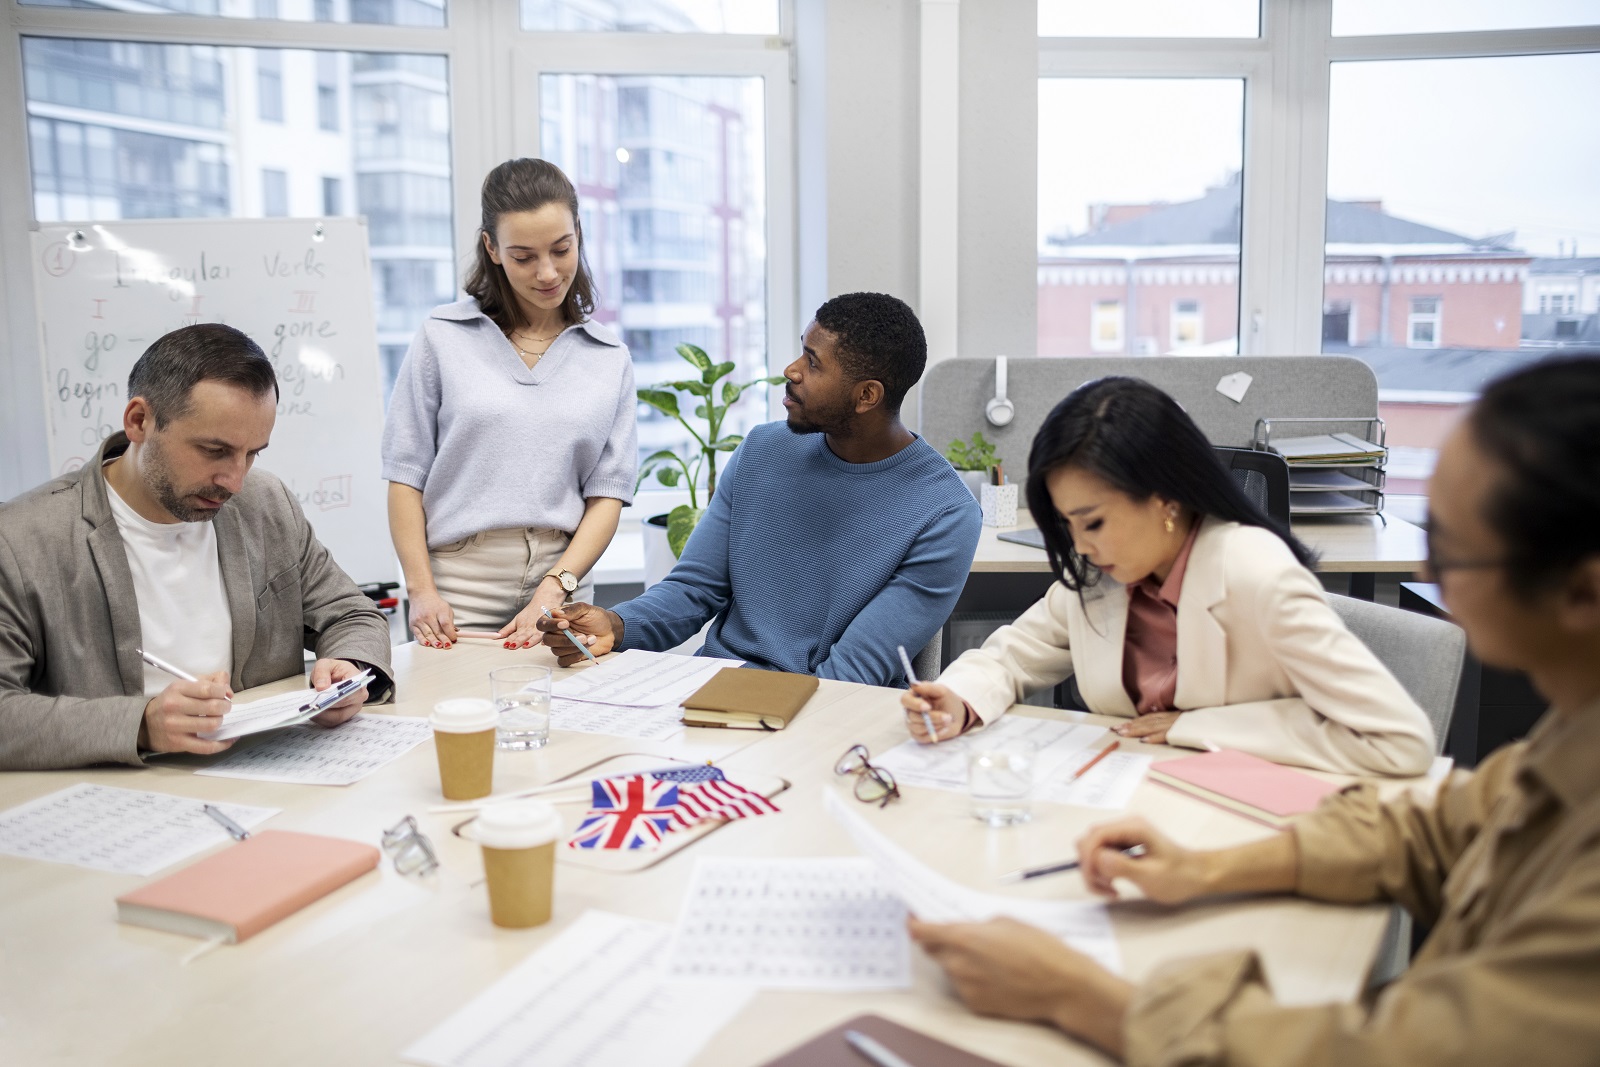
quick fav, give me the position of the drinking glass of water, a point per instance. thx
(1000, 780)
(522, 697)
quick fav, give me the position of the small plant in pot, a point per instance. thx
(697, 467)
(972, 460)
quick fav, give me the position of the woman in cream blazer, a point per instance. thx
(1263, 664)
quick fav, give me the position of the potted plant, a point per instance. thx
(972, 460)
(698, 467)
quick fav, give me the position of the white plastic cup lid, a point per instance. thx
(464, 716)
(518, 824)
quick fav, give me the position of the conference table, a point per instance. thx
(359, 975)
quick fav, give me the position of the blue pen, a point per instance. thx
(336, 692)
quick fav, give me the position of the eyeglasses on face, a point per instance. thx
(874, 785)
(410, 849)
(1437, 563)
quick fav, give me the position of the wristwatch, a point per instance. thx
(568, 580)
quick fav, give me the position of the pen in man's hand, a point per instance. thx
(162, 665)
(571, 637)
(336, 692)
(911, 679)
(1025, 873)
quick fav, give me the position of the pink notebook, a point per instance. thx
(1245, 784)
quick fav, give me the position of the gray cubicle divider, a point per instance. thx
(955, 391)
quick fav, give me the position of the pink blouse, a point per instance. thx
(1150, 646)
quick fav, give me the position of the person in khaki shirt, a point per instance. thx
(1503, 863)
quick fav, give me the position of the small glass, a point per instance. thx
(1000, 780)
(521, 695)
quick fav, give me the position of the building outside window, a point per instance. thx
(274, 193)
(332, 196)
(269, 86)
(1186, 325)
(328, 91)
(1422, 326)
(1105, 327)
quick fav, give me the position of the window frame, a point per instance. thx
(494, 113)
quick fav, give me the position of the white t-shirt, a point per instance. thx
(177, 578)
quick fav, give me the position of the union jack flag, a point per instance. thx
(704, 792)
(632, 812)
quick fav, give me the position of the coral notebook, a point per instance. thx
(244, 889)
(1248, 785)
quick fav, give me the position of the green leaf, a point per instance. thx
(692, 387)
(696, 356)
(776, 379)
(711, 375)
(681, 522)
(700, 411)
(730, 392)
(661, 400)
(669, 476)
(727, 443)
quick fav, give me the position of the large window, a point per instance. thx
(1139, 215)
(155, 132)
(656, 16)
(1149, 18)
(670, 179)
(374, 12)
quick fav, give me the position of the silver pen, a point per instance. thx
(571, 637)
(162, 665)
(874, 1050)
(911, 679)
(336, 692)
(235, 831)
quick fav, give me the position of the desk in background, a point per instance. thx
(359, 975)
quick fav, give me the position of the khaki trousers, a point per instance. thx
(489, 577)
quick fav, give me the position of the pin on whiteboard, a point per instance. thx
(316, 233)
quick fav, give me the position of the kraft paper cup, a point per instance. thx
(463, 736)
(519, 857)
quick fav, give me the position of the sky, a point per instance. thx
(1476, 146)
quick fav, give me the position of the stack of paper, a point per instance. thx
(634, 694)
(1344, 448)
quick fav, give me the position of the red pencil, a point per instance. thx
(1102, 754)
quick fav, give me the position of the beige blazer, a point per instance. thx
(1265, 666)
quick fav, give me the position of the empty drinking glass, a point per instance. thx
(1000, 780)
(522, 697)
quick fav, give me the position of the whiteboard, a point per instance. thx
(301, 288)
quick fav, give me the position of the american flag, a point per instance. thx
(632, 812)
(704, 792)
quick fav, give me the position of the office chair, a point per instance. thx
(1264, 477)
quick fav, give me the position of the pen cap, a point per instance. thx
(518, 824)
(463, 716)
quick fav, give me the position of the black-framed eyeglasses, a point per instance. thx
(1437, 564)
(410, 848)
(874, 785)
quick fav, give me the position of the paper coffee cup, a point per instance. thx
(463, 736)
(519, 857)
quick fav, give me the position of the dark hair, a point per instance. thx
(170, 368)
(879, 338)
(1137, 438)
(1541, 425)
(525, 185)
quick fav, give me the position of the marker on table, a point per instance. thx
(874, 1050)
(1025, 873)
(571, 637)
(911, 679)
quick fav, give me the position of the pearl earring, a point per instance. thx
(1169, 524)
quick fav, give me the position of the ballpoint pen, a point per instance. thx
(572, 637)
(235, 831)
(911, 679)
(1023, 874)
(162, 665)
(874, 1050)
(336, 692)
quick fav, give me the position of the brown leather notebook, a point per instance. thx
(247, 887)
(832, 1050)
(744, 698)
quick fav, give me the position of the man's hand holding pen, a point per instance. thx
(327, 672)
(175, 717)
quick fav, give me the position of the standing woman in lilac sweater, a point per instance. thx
(510, 445)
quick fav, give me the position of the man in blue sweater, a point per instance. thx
(830, 540)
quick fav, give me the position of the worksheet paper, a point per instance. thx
(828, 923)
(126, 831)
(268, 713)
(640, 679)
(1085, 925)
(1108, 785)
(594, 996)
(1062, 747)
(316, 755)
(648, 724)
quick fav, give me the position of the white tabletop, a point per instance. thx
(357, 976)
(1344, 544)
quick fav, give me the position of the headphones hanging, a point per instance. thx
(1000, 411)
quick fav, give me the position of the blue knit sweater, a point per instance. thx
(814, 565)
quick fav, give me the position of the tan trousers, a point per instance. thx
(489, 577)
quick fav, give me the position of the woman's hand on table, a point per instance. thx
(1166, 873)
(523, 630)
(1015, 971)
(931, 702)
(1151, 727)
(432, 622)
